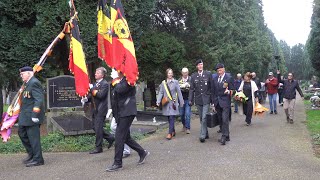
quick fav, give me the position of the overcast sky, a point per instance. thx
(289, 19)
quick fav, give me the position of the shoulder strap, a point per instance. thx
(167, 90)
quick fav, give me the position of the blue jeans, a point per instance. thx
(235, 106)
(273, 102)
(185, 114)
(203, 110)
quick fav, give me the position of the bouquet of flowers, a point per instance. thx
(240, 97)
(259, 109)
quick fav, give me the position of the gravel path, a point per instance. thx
(269, 149)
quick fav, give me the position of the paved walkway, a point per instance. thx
(269, 149)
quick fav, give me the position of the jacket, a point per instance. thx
(218, 89)
(289, 88)
(124, 97)
(200, 88)
(99, 98)
(185, 87)
(174, 88)
(272, 86)
(32, 105)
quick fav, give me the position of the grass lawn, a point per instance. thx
(313, 125)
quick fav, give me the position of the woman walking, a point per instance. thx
(250, 89)
(169, 95)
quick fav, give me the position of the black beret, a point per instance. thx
(219, 65)
(26, 68)
(199, 61)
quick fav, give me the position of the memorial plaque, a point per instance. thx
(61, 92)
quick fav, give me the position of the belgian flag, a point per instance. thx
(77, 63)
(123, 52)
(104, 32)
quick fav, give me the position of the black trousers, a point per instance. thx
(30, 138)
(224, 118)
(248, 110)
(98, 124)
(123, 137)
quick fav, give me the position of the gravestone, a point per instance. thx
(65, 112)
(61, 92)
(147, 98)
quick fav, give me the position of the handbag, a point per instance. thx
(164, 101)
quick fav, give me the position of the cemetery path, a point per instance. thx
(269, 149)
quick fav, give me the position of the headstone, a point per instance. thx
(147, 98)
(61, 92)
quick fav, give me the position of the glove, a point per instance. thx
(90, 86)
(84, 100)
(114, 74)
(35, 120)
(109, 113)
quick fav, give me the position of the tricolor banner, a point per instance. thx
(104, 32)
(77, 63)
(123, 52)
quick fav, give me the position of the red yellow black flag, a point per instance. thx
(123, 52)
(104, 32)
(77, 63)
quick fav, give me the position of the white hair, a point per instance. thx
(184, 69)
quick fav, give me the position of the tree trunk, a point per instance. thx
(152, 86)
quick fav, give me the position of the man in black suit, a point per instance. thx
(31, 116)
(124, 110)
(222, 87)
(99, 103)
(200, 94)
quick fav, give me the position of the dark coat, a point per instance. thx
(124, 97)
(289, 88)
(218, 89)
(32, 102)
(200, 88)
(99, 102)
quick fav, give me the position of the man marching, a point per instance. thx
(31, 116)
(200, 94)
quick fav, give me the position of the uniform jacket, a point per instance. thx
(32, 103)
(174, 88)
(272, 86)
(200, 88)
(99, 102)
(218, 89)
(124, 97)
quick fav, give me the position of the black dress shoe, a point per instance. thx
(271, 112)
(110, 141)
(125, 155)
(96, 151)
(113, 168)
(275, 112)
(143, 157)
(27, 160)
(228, 138)
(202, 140)
(222, 141)
(35, 163)
(219, 131)
(207, 136)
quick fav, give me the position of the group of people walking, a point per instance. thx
(205, 90)
(214, 92)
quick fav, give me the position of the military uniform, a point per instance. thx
(32, 107)
(200, 94)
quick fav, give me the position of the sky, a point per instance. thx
(289, 20)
